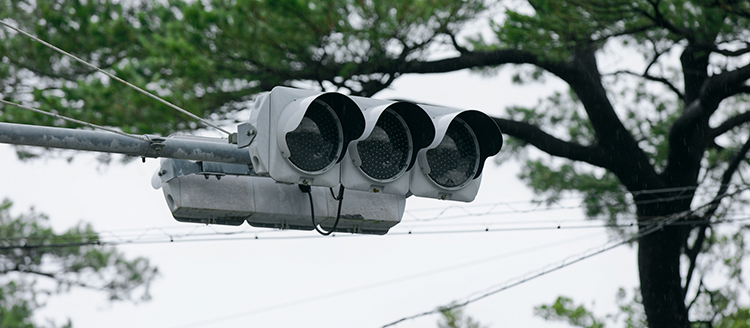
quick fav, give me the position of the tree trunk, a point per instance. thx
(661, 284)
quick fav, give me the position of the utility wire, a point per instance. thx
(257, 235)
(386, 282)
(146, 235)
(656, 226)
(575, 197)
(175, 239)
(192, 236)
(91, 125)
(539, 207)
(155, 97)
(133, 234)
(507, 286)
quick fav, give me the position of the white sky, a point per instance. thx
(219, 283)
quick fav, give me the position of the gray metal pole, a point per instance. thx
(189, 148)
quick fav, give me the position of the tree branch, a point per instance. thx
(477, 59)
(551, 145)
(653, 61)
(698, 293)
(726, 178)
(624, 157)
(724, 85)
(731, 53)
(660, 20)
(640, 29)
(690, 134)
(458, 47)
(730, 124)
(53, 277)
(653, 78)
(692, 254)
(372, 87)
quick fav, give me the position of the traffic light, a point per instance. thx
(299, 136)
(380, 159)
(329, 139)
(303, 144)
(451, 166)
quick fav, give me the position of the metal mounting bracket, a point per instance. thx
(245, 135)
(157, 143)
(175, 168)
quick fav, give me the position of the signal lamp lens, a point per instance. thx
(386, 152)
(454, 162)
(316, 143)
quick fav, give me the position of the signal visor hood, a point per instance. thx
(489, 136)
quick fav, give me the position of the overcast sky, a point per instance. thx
(341, 281)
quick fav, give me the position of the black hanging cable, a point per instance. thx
(307, 189)
(341, 194)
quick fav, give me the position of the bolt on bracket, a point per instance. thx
(157, 143)
(245, 135)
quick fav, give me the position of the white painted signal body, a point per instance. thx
(196, 196)
(381, 146)
(380, 151)
(300, 136)
(450, 168)
(379, 161)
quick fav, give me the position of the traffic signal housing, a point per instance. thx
(450, 168)
(304, 144)
(395, 147)
(299, 136)
(379, 161)
(230, 194)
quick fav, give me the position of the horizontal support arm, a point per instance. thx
(189, 148)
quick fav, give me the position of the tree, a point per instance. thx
(455, 318)
(658, 137)
(36, 262)
(564, 310)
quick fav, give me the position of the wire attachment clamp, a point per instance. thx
(307, 189)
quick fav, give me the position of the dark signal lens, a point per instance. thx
(454, 162)
(317, 141)
(385, 154)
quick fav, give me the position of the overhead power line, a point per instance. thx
(414, 226)
(163, 236)
(510, 285)
(585, 197)
(501, 208)
(256, 235)
(112, 76)
(181, 239)
(385, 282)
(656, 226)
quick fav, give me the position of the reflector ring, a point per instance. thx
(454, 162)
(386, 152)
(314, 146)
